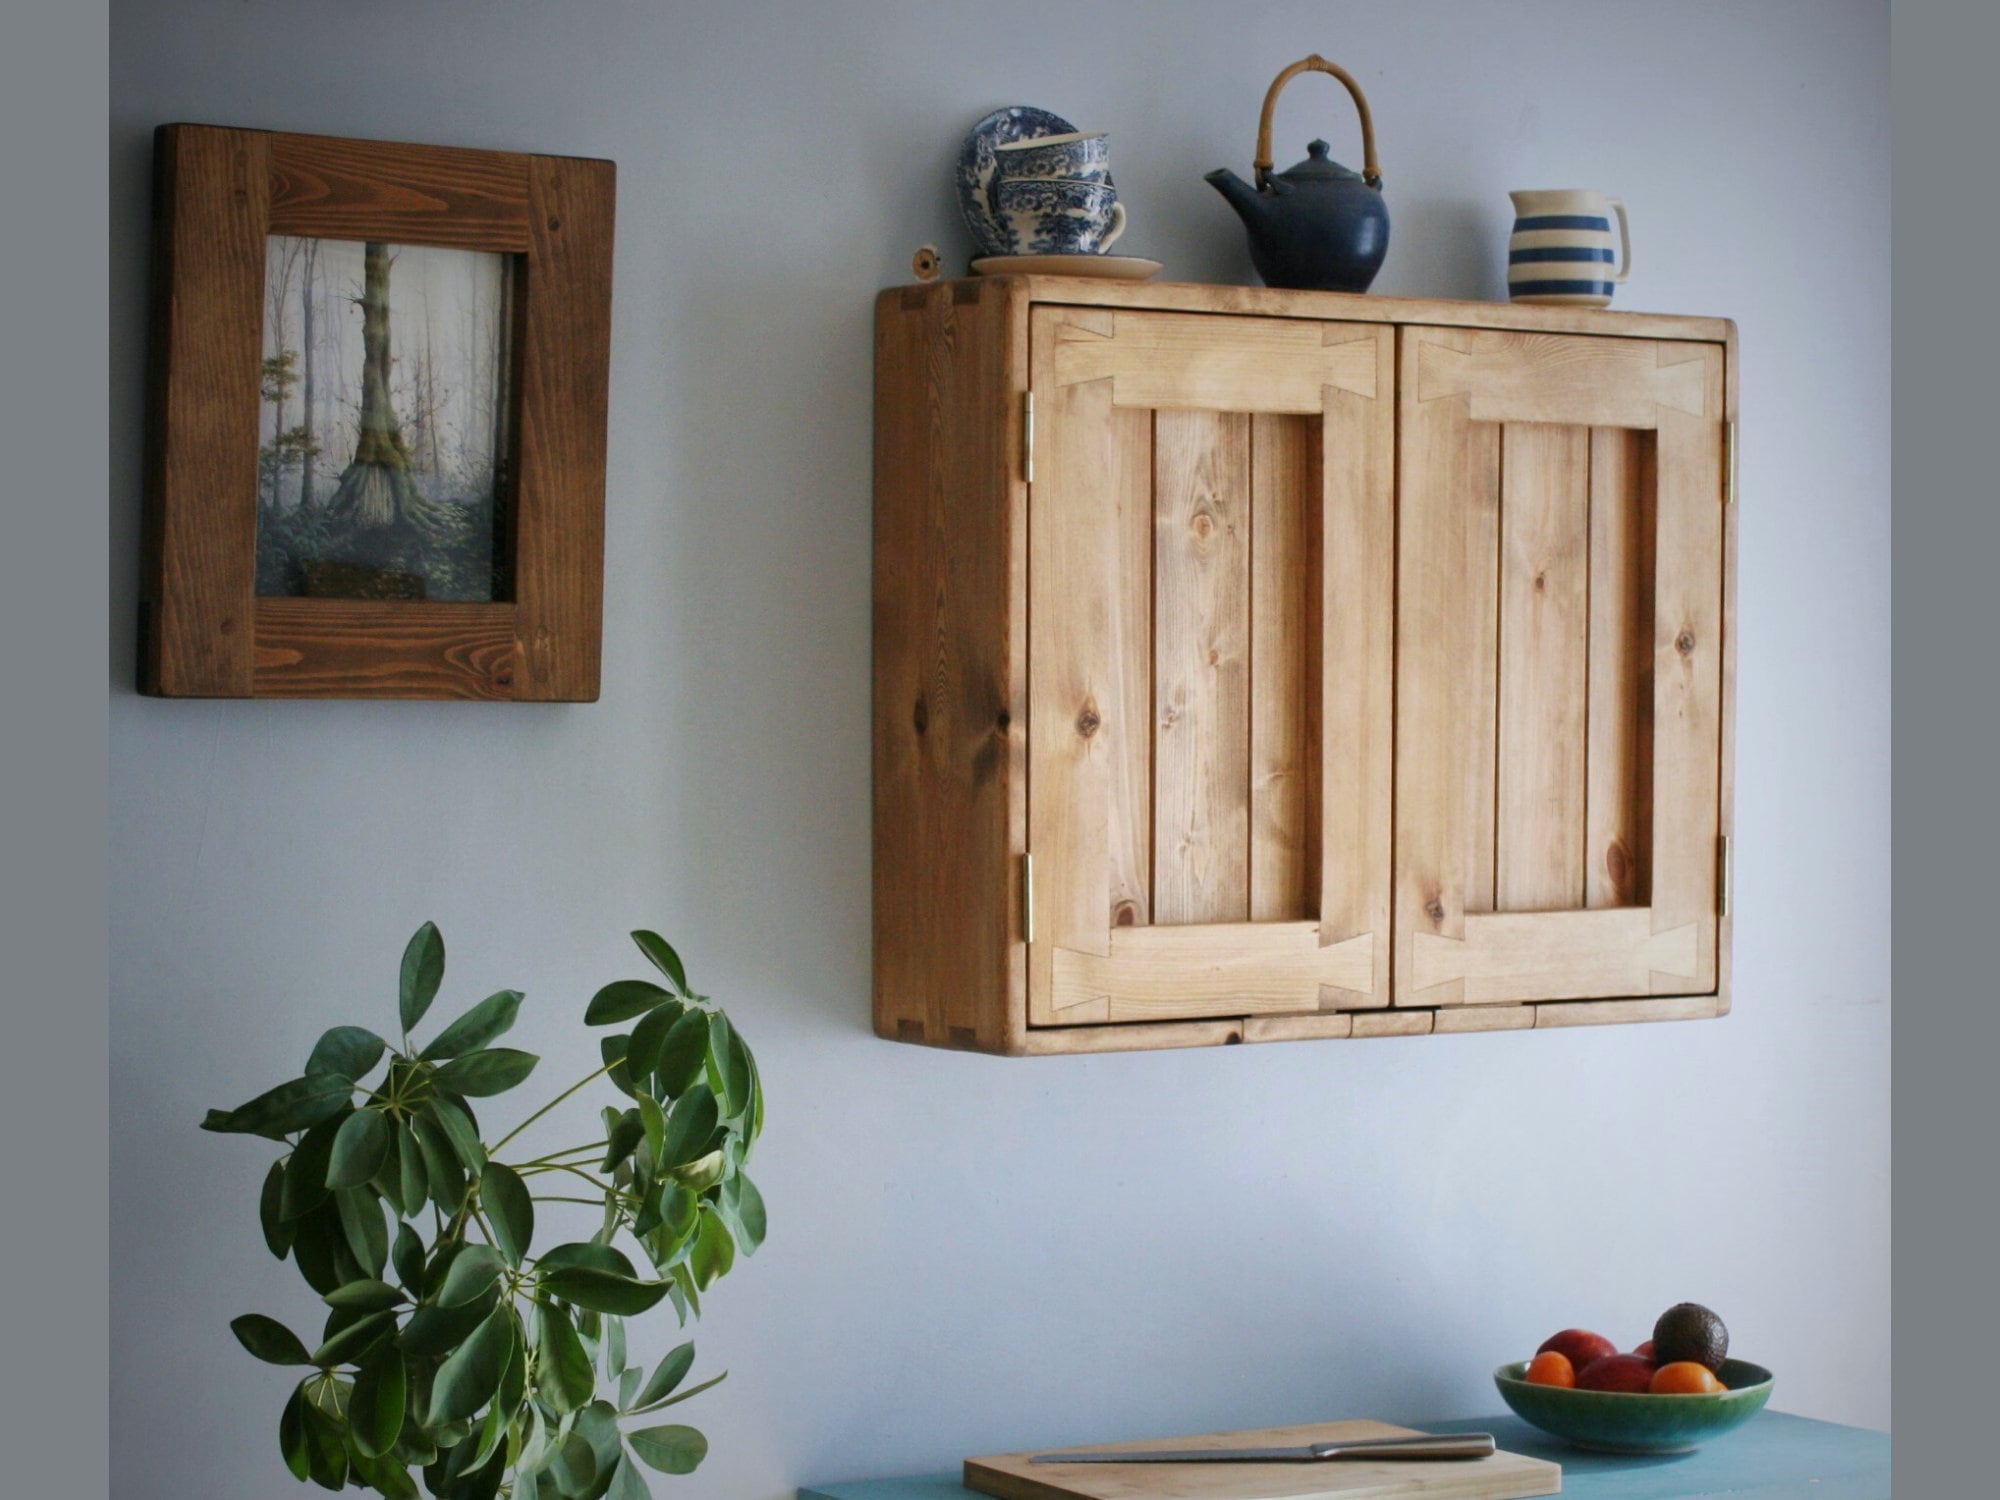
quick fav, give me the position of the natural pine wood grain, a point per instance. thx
(1237, 968)
(1543, 672)
(346, 189)
(1201, 680)
(350, 648)
(1285, 602)
(1165, 361)
(1129, 491)
(1619, 777)
(1553, 955)
(950, 684)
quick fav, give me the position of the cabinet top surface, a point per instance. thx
(1261, 301)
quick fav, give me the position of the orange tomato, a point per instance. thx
(1552, 1368)
(1685, 1378)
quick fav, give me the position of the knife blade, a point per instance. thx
(1424, 1446)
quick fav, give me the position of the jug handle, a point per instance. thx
(1371, 170)
(1624, 241)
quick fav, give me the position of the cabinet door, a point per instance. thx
(1559, 667)
(1211, 537)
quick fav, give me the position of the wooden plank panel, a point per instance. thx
(319, 648)
(1687, 668)
(1445, 695)
(1201, 764)
(1618, 798)
(1200, 969)
(1164, 361)
(1555, 955)
(1538, 377)
(1725, 925)
(412, 195)
(1075, 697)
(1393, 1023)
(1457, 1018)
(1129, 492)
(1296, 1028)
(1544, 605)
(212, 187)
(1143, 1036)
(1284, 667)
(1617, 1012)
(950, 669)
(564, 364)
(1357, 686)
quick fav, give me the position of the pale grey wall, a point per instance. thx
(969, 1253)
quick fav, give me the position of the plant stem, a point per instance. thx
(559, 1198)
(556, 1166)
(549, 1106)
(590, 1150)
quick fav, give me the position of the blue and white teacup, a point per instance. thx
(1057, 215)
(1560, 250)
(1082, 156)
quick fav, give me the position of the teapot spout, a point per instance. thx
(1242, 197)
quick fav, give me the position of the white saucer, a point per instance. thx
(1115, 267)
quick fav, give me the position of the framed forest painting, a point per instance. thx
(376, 419)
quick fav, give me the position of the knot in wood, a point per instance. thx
(1125, 914)
(1434, 909)
(1003, 721)
(921, 717)
(1684, 643)
(1541, 583)
(1087, 722)
(554, 223)
(1202, 524)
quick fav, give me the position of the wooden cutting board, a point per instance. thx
(1503, 1476)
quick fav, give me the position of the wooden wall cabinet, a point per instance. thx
(1254, 665)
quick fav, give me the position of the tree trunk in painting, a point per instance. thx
(376, 489)
(308, 450)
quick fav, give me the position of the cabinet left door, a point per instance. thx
(1211, 610)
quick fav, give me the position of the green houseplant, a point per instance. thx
(453, 1345)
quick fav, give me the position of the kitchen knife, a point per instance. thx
(1444, 1445)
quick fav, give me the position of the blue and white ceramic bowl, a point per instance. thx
(977, 165)
(1080, 156)
(1561, 249)
(1057, 216)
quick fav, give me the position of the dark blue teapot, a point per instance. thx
(1318, 226)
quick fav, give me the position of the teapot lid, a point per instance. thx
(1319, 167)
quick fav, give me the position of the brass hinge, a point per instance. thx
(1028, 436)
(1729, 464)
(1027, 898)
(1724, 868)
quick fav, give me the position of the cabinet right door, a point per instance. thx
(1559, 667)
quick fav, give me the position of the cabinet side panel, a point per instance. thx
(950, 798)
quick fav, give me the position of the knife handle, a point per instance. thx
(1439, 1445)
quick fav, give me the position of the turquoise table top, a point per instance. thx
(1771, 1457)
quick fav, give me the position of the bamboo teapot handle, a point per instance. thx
(1371, 170)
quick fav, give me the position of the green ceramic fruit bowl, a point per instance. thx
(1630, 1422)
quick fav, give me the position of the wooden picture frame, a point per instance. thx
(219, 195)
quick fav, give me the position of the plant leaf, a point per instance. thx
(660, 954)
(511, 1209)
(434, 1330)
(614, 1347)
(714, 1251)
(598, 1422)
(671, 1449)
(491, 1017)
(275, 1113)
(443, 1177)
(423, 972)
(292, 1434)
(728, 1064)
(650, 1035)
(563, 1375)
(460, 1131)
(621, 1000)
(270, 1340)
(270, 1218)
(689, 1125)
(687, 1395)
(347, 1051)
(314, 1238)
(367, 1233)
(410, 1174)
(574, 1467)
(703, 1173)
(367, 1296)
(473, 1270)
(683, 1053)
(602, 1291)
(585, 1253)
(305, 1173)
(468, 1379)
(667, 1374)
(750, 1216)
(355, 1340)
(479, 1074)
(626, 1483)
(359, 1148)
(625, 1136)
(655, 1121)
(407, 1254)
(375, 1406)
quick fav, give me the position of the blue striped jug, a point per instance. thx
(1560, 250)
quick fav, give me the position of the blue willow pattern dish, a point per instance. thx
(1055, 216)
(976, 167)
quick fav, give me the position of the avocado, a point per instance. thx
(1687, 1330)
